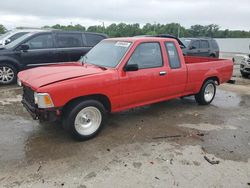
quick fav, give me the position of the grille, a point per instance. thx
(28, 95)
(247, 69)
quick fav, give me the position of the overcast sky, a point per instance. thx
(231, 14)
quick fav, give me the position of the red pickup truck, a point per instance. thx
(116, 75)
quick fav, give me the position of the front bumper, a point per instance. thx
(245, 67)
(51, 114)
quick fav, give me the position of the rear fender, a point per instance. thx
(211, 74)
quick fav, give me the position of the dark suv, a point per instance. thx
(44, 48)
(206, 47)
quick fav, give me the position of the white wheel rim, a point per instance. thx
(6, 74)
(209, 92)
(88, 120)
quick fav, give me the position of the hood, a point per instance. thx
(41, 76)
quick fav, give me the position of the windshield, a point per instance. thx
(107, 53)
(5, 35)
(186, 42)
(17, 41)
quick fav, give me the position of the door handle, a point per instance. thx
(162, 73)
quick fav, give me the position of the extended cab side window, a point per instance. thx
(173, 56)
(42, 41)
(69, 40)
(147, 55)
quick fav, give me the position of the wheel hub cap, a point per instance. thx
(6, 74)
(209, 92)
(88, 120)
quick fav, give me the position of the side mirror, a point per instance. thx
(7, 41)
(24, 47)
(182, 46)
(131, 67)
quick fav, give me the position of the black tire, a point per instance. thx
(10, 67)
(244, 75)
(212, 56)
(200, 97)
(76, 108)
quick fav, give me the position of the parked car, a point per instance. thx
(245, 66)
(206, 47)
(43, 48)
(10, 36)
(118, 74)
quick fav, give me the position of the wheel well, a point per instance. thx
(99, 97)
(10, 63)
(214, 78)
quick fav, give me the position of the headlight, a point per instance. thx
(19, 83)
(43, 100)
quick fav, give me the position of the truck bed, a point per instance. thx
(200, 68)
(192, 59)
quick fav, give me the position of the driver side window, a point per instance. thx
(40, 42)
(147, 55)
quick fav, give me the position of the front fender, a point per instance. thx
(12, 61)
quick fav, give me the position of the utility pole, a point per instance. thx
(178, 32)
(103, 26)
(154, 27)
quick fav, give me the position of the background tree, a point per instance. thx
(2, 29)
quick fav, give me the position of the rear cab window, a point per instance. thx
(147, 55)
(173, 56)
(69, 40)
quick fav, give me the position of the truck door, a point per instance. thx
(177, 70)
(149, 82)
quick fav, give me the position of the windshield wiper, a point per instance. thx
(83, 60)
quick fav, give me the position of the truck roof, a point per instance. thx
(141, 39)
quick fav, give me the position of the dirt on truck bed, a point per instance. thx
(176, 143)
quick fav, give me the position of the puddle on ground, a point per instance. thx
(226, 99)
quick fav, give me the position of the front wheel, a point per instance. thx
(8, 74)
(85, 119)
(207, 93)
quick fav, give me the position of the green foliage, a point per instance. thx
(77, 27)
(125, 30)
(2, 29)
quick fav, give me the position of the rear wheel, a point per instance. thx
(8, 74)
(207, 93)
(212, 56)
(85, 119)
(244, 75)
